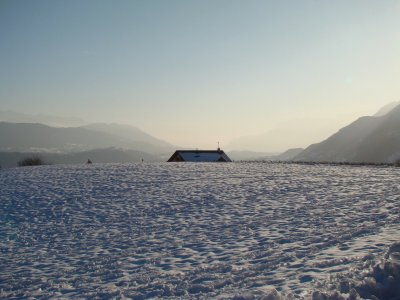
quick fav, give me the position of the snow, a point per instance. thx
(203, 156)
(200, 230)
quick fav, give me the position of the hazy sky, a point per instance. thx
(197, 72)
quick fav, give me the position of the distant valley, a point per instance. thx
(43, 138)
(374, 139)
(98, 142)
(370, 139)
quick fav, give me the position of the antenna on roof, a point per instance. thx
(219, 149)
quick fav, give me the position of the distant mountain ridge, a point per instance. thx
(130, 133)
(43, 138)
(294, 133)
(386, 109)
(50, 120)
(374, 139)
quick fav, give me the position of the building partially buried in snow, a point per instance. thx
(200, 156)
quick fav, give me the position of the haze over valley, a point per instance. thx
(369, 139)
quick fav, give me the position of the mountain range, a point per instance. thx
(295, 133)
(371, 139)
(43, 138)
(98, 142)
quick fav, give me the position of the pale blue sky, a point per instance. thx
(195, 72)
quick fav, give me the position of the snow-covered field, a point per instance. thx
(200, 231)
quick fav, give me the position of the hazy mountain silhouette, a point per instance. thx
(39, 137)
(374, 139)
(287, 135)
(265, 156)
(386, 109)
(249, 155)
(50, 120)
(287, 155)
(132, 133)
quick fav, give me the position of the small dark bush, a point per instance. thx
(31, 161)
(397, 163)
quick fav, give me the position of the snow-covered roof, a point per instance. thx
(200, 156)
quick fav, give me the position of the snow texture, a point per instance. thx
(200, 231)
